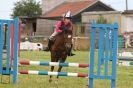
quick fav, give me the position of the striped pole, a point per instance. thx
(53, 64)
(131, 63)
(53, 73)
(126, 63)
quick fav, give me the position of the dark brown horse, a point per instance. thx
(59, 49)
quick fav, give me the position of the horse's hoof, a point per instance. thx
(50, 80)
(56, 81)
(87, 86)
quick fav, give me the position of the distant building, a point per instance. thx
(83, 12)
(109, 16)
(53, 10)
(127, 21)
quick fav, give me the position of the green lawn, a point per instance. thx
(124, 74)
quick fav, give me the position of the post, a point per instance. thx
(1, 45)
(8, 60)
(126, 5)
(92, 41)
(106, 32)
(15, 60)
(115, 34)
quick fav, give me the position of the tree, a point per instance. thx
(26, 8)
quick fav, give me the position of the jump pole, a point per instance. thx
(53, 73)
(42, 63)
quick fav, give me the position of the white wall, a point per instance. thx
(128, 26)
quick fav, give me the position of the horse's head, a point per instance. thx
(67, 38)
(62, 41)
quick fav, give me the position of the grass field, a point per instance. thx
(124, 74)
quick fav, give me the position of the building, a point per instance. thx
(127, 21)
(109, 16)
(53, 10)
(83, 12)
(127, 24)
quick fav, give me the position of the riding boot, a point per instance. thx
(48, 46)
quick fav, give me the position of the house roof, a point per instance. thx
(128, 12)
(74, 7)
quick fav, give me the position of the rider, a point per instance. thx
(64, 24)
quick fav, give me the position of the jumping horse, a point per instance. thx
(60, 48)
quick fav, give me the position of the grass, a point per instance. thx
(124, 74)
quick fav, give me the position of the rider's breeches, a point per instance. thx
(53, 35)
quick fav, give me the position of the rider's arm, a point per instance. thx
(58, 27)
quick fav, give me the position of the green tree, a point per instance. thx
(26, 8)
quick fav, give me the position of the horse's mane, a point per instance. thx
(59, 41)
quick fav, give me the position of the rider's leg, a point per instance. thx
(53, 35)
(50, 41)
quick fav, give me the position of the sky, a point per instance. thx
(119, 4)
(6, 6)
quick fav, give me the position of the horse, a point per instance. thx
(60, 48)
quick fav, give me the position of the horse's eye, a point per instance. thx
(69, 36)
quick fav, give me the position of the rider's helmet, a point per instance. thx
(68, 15)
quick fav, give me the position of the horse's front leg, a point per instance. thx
(50, 79)
(53, 59)
(62, 61)
(59, 69)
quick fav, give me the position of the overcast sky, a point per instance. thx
(6, 6)
(119, 4)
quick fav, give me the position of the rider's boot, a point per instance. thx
(49, 45)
